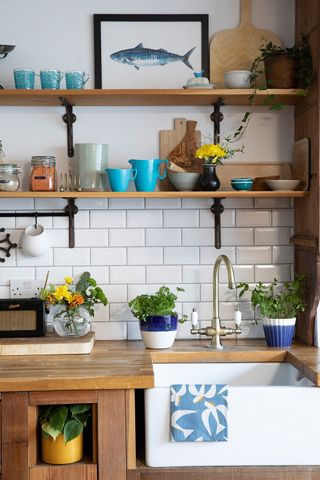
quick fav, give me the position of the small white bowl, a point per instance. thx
(237, 79)
(282, 184)
(184, 181)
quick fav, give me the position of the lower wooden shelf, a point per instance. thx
(167, 194)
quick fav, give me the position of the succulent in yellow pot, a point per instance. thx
(62, 433)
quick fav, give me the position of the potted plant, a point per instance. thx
(157, 317)
(212, 155)
(277, 308)
(73, 306)
(61, 432)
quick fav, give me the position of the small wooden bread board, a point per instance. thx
(51, 344)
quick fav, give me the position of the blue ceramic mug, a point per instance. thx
(50, 79)
(24, 78)
(148, 171)
(119, 178)
(76, 79)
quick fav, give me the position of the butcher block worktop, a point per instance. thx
(126, 365)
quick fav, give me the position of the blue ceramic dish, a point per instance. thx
(242, 183)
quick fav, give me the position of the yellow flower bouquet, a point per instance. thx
(213, 154)
(73, 305)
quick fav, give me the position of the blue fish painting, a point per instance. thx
(140, 56)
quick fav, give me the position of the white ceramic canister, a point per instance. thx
(88, 166)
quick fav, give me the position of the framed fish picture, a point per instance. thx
(149, 51)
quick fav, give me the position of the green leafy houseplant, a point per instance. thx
(68, 420)
(275, 303)
(162, 302)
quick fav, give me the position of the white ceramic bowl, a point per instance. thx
(184, 181)
(237, 79)
(282, 184)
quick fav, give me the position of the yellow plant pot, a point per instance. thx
(59, 453)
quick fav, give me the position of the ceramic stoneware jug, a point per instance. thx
(148, 171)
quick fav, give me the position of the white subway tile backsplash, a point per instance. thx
(126, 237)
(272, 236)
(164, 274)
(253, 255)
(8, 222)
(227, 218)
(163, 203)
(282, 218)
(145, 256)
(272, 202)
(72, 256)
(267, 273)
(283, 254)
(208, 255)
(49, 204)
(181, 218)
(144, 218)
(108, 256)
(125, 275)
(4, 292)
(154, 241)
(253, 218)
(163, 236)
(181, 255)
(126, 203)
(100, 274)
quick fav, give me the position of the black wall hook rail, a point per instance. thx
(69, 118)
(70, 211)
(217, 208)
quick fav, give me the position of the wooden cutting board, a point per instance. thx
(168, 140)
(301, 163)
(235, 49)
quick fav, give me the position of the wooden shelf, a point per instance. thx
(218, 194)
(51, 98)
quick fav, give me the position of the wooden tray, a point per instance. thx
(51, 344)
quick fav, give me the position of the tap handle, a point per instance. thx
(194, 317)
(237, 317)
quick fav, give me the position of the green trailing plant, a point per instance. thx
(274, 302)
(163, 302)
(304, 72)
(68, 420)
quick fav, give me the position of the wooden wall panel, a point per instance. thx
(15, 436)
(307, 210)
(64, 472)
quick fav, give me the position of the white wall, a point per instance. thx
(60, 35)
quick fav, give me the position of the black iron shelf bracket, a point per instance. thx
(70, 211)
(69, 118)
(11, 245)
(217, 117)
(217, 209)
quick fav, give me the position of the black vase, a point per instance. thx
(209, 180)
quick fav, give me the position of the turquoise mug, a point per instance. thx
(76, 79)
(148, 171)
(24, 78)
(119, 178)
(50, 79)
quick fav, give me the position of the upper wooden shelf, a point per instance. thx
(218, 194)
(143, 97)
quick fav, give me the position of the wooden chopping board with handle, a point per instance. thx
(235, 49)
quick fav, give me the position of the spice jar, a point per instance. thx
(43, 174)
(9, 180)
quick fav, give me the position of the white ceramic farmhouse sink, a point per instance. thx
(273, 419)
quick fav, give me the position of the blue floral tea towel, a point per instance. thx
(199, 413)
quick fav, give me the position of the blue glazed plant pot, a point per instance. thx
(279, 332)
(159, 331)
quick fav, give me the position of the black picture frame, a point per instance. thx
(99, 19)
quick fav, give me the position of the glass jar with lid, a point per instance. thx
(43, 174)
(9, 180)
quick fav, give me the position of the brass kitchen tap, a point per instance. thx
(216, 330)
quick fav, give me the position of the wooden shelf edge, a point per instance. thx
(169, 194)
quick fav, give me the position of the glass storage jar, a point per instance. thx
(9, 180)
(43, 174)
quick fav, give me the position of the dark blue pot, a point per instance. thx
(159, 323)
(279, 332)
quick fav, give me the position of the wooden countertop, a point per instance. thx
(122, 365)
